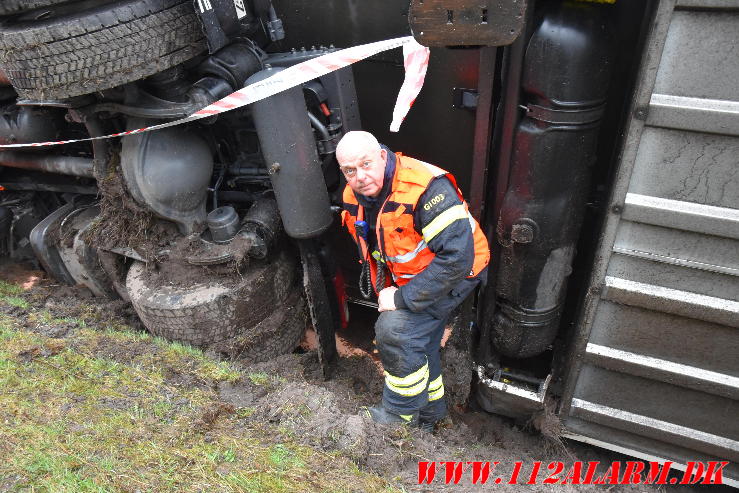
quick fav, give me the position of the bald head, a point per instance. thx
(355, 142)
(362, 161)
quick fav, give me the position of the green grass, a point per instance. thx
(259, 378)
(16, 301)
(8, 288)
(10, 294)
(99, 411)
(284, 457)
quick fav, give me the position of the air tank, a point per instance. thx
(289, 151)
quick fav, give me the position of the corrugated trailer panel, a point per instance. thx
(655, 372)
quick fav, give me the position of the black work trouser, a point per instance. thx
(409, 344)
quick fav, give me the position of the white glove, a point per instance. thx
(386, 299)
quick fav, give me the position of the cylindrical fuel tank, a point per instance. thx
(289, 151)
(564, 86)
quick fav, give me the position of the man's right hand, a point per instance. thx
(386, 299)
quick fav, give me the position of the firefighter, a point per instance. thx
(422, 254)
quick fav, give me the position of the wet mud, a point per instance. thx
(138, 230)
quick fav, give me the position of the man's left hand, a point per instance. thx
(386, 299)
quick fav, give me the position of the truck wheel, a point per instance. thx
(77, 48)
(14, 6)
(221, 311)
(277, 334)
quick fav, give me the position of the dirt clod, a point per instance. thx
(211, 414)
(138, 229)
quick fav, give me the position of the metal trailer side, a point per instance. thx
(655, 364)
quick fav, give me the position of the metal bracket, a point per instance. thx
(222, 20)
(328, 146)
(462, 22)
(561, 116)
(464, 98)
(516, 399)
(275, 29)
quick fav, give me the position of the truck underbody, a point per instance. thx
(580, 132)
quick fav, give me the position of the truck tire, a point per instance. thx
(277, 334)
(82, 47)
(14, 6)
(209, 310)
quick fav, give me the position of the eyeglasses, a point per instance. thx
(351, 171)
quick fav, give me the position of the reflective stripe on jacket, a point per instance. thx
(404, 251)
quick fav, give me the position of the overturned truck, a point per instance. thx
(596, 141)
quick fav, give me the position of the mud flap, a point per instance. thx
(43, 238)
(80, 258)
(319, 305)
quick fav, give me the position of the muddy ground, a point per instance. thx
(324, 414)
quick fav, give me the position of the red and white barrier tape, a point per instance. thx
(416, 61)
(294, 76)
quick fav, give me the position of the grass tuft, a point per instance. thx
(16, 301)
(259, 378)
(9, 289)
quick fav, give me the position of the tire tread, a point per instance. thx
(8, 7)
(100, 50)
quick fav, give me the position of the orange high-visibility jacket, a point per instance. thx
(404, 251)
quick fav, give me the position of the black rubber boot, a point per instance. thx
(382, 416)
(429, 423)
(430, 415)
(427, 426)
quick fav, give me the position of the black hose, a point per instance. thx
(319, 126)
